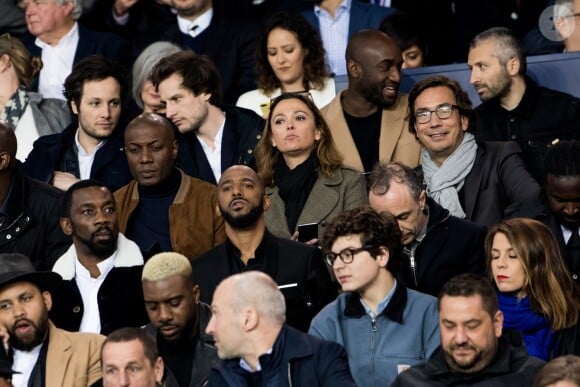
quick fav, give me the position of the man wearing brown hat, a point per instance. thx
(42, 354)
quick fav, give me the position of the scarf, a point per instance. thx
(294, 186)
(445, 181)
(14, 108)
(536, 329)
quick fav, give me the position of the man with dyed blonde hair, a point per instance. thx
(178, 319)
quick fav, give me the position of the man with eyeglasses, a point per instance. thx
(384, 327)
(484, 182)
(567, 20)
(297, 268)
(514, 107)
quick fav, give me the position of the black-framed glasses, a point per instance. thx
(443, 111)
(346, 255)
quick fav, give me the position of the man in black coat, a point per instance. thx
(101, 270)
(297, 268)
(438, 245)
(228, 41)
(29, 211)
(178, 320)
(515, 108)
(257, 348)
(562, 194)
(473, 351)
(212, 137)
(92, 147)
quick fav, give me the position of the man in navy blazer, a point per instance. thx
(361, 16)
(61, 42)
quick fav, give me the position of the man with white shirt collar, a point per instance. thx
(56, 36)
(297, 268)
(562, 192)
(91, 148)
(102, 269)
(213, 137)
(43, 354)
(228, 41)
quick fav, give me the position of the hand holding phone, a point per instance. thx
(307, 232)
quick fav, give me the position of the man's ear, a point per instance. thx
(5, 160)
(267, 203)
(383, 257)
(196, 293)
(174, 149)
(47, 298)
(66, 226)
(513, 66)
(158, 369)
(74, 107)
(251, 318)
(498, 323)
(353, 68)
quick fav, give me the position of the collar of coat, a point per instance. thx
(393, 311)
(128, 255)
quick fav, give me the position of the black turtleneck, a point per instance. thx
(149, 223)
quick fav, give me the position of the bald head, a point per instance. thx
(151, 149)
(242, 172)
(151, 120)
(373, 63)
(365, 40)
(256, 290)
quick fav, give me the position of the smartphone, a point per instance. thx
(307, 231)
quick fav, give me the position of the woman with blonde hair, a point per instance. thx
(302, 169)
(26, 112)
(536, 292)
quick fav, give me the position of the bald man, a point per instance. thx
(297, 268)
(368, 120)
(184, 208)
(29, 211)
(255, 346)
(178, 320)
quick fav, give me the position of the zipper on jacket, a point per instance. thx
(373, 349)
(412, 260)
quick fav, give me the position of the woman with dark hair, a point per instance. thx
(302, 169)
(407, 33)
(26, 112)
(536, 292)
(290, 58)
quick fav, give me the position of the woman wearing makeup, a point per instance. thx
(302, 169)
(536, 292)
(289, 59)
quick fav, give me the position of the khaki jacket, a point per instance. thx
(72, 358)
(396, 143)
(194, 224)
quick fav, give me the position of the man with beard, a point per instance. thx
(178, 320)
(101, 290)
(212, 137)
(91, 148)
(473, 350)
(43, 354)
(184, 209)
(515, 108)
(562, 195)
(297, 268)
(368, 120)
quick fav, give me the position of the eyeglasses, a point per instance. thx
(346, 255)
(443, 111)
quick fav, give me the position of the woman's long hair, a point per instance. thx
(266, 154)
(314, 65)
(548, 283)
(25, 65)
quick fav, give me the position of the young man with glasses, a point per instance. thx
(484, 182)
(384, 327)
